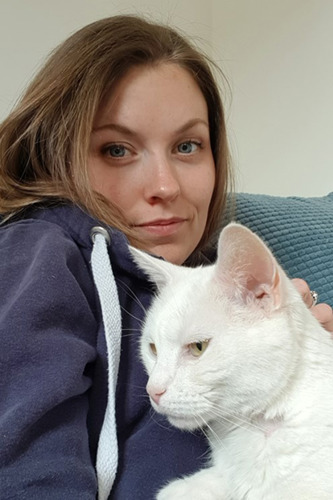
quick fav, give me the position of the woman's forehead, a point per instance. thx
(149, 92)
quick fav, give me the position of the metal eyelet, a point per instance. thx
(100, 230)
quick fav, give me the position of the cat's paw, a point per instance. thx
(181, 489)
(196, 487)
(207, 484)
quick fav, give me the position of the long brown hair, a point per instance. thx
(44, 141)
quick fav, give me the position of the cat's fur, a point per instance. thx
(263, 388)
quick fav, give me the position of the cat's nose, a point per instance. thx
(156, 394)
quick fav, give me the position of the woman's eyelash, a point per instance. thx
(115, 150)
(119, 150)
(183, 147)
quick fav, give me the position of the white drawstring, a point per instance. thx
(107, 452)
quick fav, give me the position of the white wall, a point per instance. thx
(277, 54)
(30, 29)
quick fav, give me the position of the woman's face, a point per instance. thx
(150, 155)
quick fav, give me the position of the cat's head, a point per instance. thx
(218, 340)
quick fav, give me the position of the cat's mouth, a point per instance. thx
(196, 418)
(186, 423)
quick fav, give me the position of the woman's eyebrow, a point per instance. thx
(192, 123)
(114, 126)
(125, 130)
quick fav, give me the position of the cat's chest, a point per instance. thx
(263, 457)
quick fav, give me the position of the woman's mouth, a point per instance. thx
(162, 227)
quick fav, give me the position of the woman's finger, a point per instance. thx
(324, 314)
(304, 290)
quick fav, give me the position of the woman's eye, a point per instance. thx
(116, 151)
(187, 147)
(198, 348)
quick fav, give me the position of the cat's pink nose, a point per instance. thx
(156, 395)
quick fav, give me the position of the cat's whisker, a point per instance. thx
(132, 294)
(235, 420)
(140, 320)
(137, 330)
(207, 426)
(230, 420)
(152, 416)
(193, 432)
(129, 335)
(141, 388)
(144, 397)
(164, 425)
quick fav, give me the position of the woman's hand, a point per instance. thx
(323, 312)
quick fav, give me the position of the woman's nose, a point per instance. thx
(163, 183)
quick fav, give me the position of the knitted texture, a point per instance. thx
(299, 231)
(107, 453)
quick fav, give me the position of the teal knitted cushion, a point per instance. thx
(299, 231)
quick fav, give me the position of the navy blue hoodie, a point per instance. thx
(53, 368)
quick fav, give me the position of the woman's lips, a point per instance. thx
(162, 227)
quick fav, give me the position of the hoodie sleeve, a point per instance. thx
(47, 347)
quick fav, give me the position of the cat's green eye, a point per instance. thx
(153, 349)
(198, 348)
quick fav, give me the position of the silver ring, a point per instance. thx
(314, 296)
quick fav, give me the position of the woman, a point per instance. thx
(120, 137)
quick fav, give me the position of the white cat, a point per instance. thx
(231, 348)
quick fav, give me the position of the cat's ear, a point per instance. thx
(248, 269)
(159, 271)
